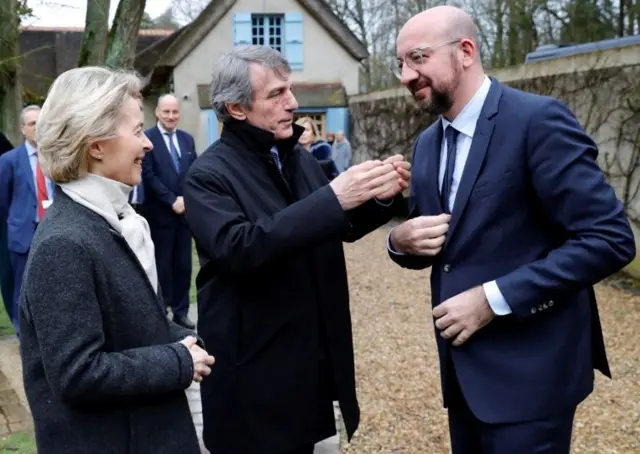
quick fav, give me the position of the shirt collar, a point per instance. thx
(466, 120)
(31, 151)
(164, 131)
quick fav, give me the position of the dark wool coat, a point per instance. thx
(273, 298)
(102, 370)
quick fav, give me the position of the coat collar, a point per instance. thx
(257, 140)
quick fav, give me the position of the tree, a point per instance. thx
(186, 11)
(123, 37)
(94, 38)
(10, 91)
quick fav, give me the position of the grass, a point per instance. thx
(19, 442)
(6, 327)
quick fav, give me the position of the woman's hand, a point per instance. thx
(201, 359)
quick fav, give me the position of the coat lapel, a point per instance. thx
(25, 168)
(477, 153)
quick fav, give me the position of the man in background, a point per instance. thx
(341, 152)
(163, 172)
(25, 194)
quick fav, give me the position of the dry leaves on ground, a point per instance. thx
(397, 364)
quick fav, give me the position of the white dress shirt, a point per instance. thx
(465, 124)
(33, 162)
(174, 137)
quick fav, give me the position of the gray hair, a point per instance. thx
(165, 96)
(27, 109)
(231, 82)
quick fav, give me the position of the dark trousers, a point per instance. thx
(6, 272)
(18, 263)
(173, 259)
(469, 435)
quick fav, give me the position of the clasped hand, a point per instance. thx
(202, 361)
(371, 179)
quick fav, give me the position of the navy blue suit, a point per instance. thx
(533, 212)
(170, 233)
(18, 205)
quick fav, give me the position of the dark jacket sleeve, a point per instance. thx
(574, 194)
(152, 182)
(236, 244)
(61, 305)
(369, 216)
(5, 144)
(6, 185)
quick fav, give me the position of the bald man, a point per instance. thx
(163, 173)
(511, 212)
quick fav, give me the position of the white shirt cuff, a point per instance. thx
(498, 304)
(390, 248)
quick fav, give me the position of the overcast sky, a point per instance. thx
(71, 13)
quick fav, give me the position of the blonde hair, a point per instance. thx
(82, 107)
(314, 129)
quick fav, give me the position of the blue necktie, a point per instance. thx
(451, 135)
(276, 157)
(173, 151)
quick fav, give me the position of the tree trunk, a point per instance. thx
(94, 39)
(10, 91)
(123, 37)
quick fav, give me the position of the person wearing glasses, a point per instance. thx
(511, 212)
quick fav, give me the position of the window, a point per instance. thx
(318, 119)
(267, 30)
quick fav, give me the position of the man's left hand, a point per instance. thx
(459, 317)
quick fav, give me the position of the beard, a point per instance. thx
(442, 94)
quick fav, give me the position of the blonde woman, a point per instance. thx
(104, 370)
(320, 149)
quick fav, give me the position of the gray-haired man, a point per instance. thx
(273, 298)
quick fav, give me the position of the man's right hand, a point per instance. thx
(178, 205)
(363, 182)
(423, 235)
(202, 361)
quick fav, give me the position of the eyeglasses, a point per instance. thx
(417, 57)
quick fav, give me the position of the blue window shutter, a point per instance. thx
(293, 40)
(212, 127)
(337, 118)
(242, 29)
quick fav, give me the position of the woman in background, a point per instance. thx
(320, 149)
(104, 369)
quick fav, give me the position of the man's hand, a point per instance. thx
(201, 359)
(403, 169)
(363, 182)
(459, 317)
(178, 205)
(423, 235)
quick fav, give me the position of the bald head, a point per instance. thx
(168, 112)
(441, 24)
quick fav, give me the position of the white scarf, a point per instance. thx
(110, 199)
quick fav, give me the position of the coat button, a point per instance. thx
(533, 310)
(544, 306)
(551, 303)
(446, 268)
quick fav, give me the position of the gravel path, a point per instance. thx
(397, 364)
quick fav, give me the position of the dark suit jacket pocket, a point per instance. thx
(485, 189)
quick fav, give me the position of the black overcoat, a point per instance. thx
(273, 298)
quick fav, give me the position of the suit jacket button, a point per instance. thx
(533, 310)
(446, 268)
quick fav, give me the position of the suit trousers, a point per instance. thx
(173, 260)
(469, 435)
